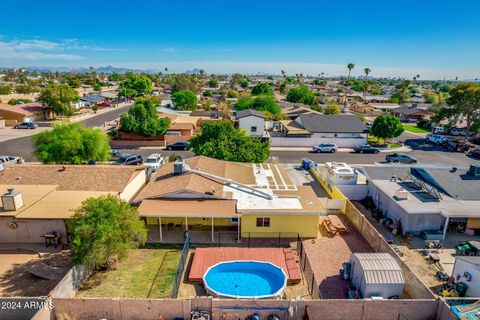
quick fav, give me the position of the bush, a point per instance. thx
(71, 144)
(185, 100)
(103, 230)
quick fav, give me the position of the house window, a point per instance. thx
(263, 222)
(253, 129)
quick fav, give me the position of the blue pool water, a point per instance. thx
(245, 279)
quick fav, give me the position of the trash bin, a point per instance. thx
(306, 164)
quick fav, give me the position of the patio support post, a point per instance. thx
(238, 230)
(445, 227)
(213, 231)
(186, 223)
(160, 228)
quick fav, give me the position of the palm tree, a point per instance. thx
(350, 67)
(282, 72)
(166, 70)
(365, 89)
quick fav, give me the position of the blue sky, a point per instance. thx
(435, 39)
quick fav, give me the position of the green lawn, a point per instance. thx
(375, 142)
(414, 129)
(146, 273)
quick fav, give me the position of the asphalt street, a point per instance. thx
(24, 146)
(426, 154)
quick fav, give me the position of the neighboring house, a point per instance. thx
(373, 108)
(429, 202)
(49, 194)
(30, 112)
(110, 97)
(252, 121)
(207, 196)
(90, 100)
(311, 129)
(179, 131)
(467, 270)
(412, 111)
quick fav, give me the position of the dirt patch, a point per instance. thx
(16, 281)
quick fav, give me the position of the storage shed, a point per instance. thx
(376, 275)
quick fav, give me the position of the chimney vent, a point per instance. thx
(12, 200)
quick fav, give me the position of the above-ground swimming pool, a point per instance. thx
(245, 280)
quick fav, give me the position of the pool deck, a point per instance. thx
(204, 258)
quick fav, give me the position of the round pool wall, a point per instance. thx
(245, 280)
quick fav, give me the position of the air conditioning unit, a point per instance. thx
(401, 194)
(12, 200)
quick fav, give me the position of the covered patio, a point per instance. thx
(205, 220)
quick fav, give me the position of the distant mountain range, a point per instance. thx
(107, 69)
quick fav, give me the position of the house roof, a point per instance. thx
(188, 208)
(233, 183)
(409, 110)
(250, 112)
(71, 177)
(293, 127)
(47, 202)
(164, 183)
(92, 98)
(313, 122)
(475, 260)
(109, 95)
(380, 268)
(23, 109)
(181, 126)
(458, 185)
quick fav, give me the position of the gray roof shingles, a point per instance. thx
(332, 123)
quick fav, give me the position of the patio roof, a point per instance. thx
(188, 208)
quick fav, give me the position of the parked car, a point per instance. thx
(129, 159)
(400, 157)
(368, 124)
(325, 147)
(457, 132)
(435, 138)
(26, 125)
(154, 161)
(180, 145)
(366, 149)
(439, 130)
(475, 153)
(9, 159)
(410, 120)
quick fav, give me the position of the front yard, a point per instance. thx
(146, 273)
(414, 129)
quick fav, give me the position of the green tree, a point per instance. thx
(301, 94)
(135, 84)
(213, 83)
(402, 94)
(71, 144)
(5, 89)
(232, 93)
(220, 140)
(463, 104)
(59, 98)
(243, 83)
(266, 104)
(97, 87)
(366, 86)
(332, 109)
(262, 89)
(386, 126)
(185, 82)
(103, 230)
(142, 119)
(185, 100)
